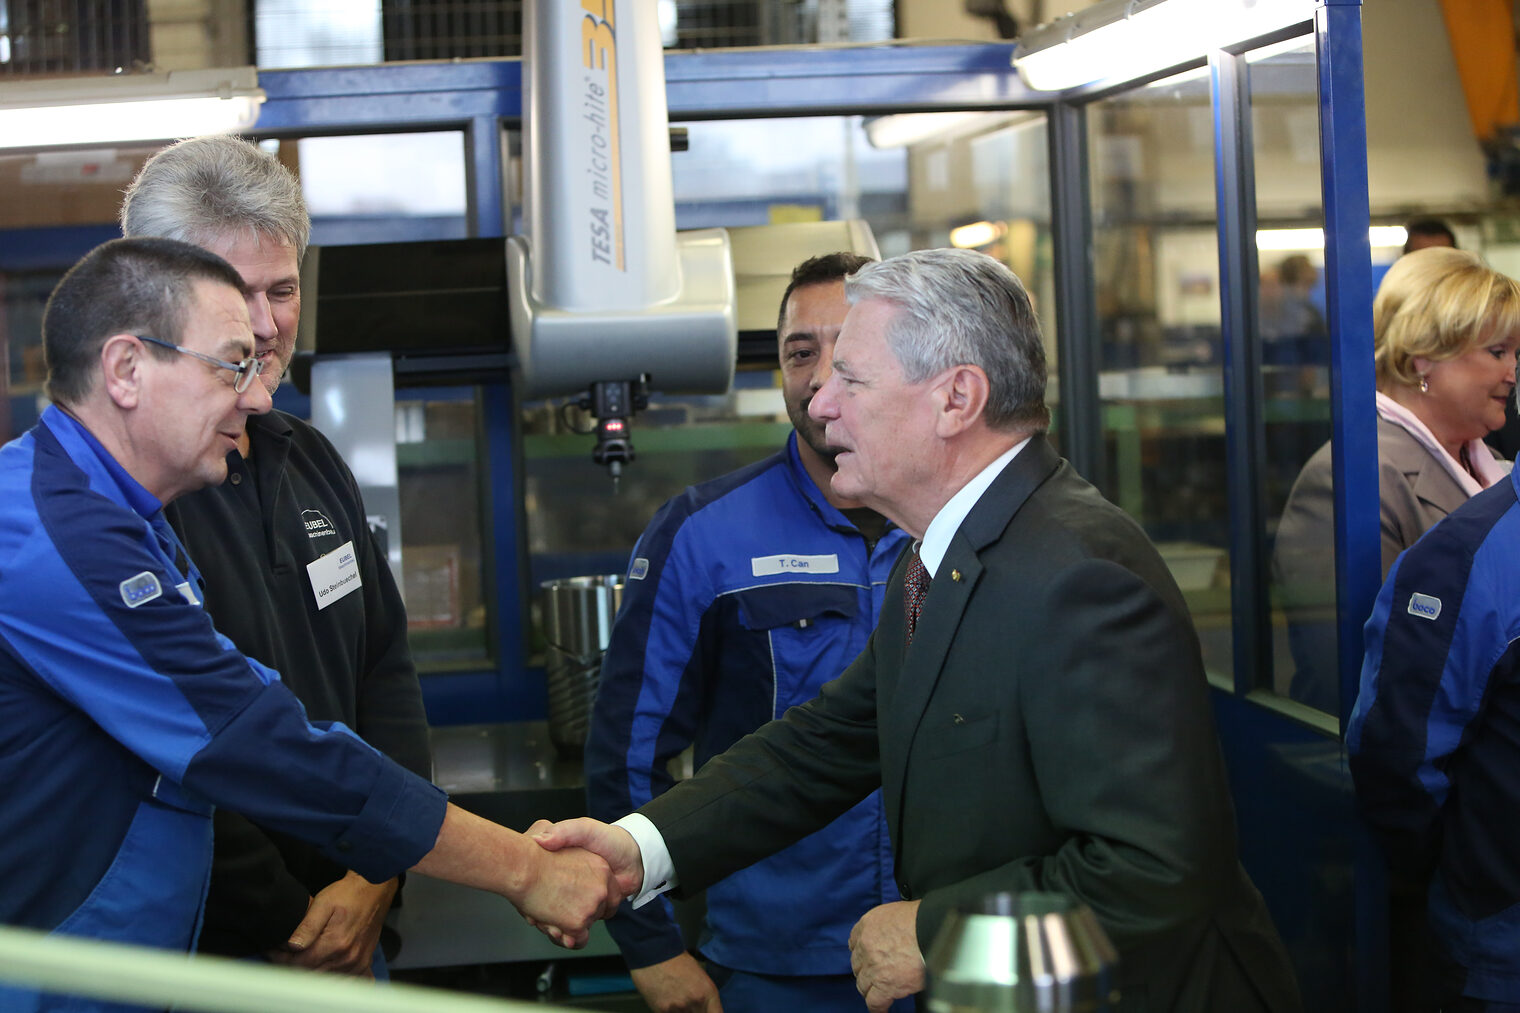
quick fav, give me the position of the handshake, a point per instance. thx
(579, 872)
(584, 869)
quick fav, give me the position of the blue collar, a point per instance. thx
(831, 514)
(82, 446)
(807, 486)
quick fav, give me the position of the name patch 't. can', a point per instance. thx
(769, 566)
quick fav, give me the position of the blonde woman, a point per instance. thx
(1445, 330)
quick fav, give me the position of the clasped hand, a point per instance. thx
(565, 891)
(582, 839)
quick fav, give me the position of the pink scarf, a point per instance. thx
(1489, 469)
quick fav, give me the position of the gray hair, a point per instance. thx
(960, 307)
(203, 189)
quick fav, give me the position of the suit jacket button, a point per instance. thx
(905, 890)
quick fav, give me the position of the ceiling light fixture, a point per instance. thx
(1378, 236)
(128, 107)
(1121, 39)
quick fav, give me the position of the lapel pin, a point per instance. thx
(955, 575)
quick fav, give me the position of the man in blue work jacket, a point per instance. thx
(345, 654)
(124, 716)
(745, 595)
(1434, 744)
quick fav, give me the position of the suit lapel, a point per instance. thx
(1434, 485)
(948, 600)
(1427, 477)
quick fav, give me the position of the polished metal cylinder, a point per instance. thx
(1022, 953)
(577, 615)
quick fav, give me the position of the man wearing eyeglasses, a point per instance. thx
(124, 715)
(271, 540)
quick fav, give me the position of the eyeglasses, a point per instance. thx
(245, 370)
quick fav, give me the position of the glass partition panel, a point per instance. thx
(1295, 353)
(1161, 379)
(444, 553)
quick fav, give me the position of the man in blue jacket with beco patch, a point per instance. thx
(125, 717)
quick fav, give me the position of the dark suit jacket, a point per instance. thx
(1049, 729)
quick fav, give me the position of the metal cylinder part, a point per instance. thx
(1022, 953)
(577, 615)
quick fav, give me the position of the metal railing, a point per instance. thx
(158, 978)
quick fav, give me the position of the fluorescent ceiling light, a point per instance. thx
(1378, 236)
(128, 107)
(975, 235)
(1121, 39)
(899, 130)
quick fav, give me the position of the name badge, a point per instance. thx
(767, 566)
(334, 575)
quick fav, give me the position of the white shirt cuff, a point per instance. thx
(659, 874)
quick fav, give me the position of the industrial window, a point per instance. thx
(302, 33)
(66, 36)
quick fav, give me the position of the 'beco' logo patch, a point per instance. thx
(1424, 605)
(317, 525)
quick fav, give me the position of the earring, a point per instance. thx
(1424, 384)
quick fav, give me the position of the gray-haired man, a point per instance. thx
(1036, 715)
(263, 539)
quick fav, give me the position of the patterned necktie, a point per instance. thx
(915, 590)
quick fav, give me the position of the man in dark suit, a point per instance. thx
(1036, 713)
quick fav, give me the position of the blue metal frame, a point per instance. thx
(1358, 557)
(887, 78)
(388, 98)
(43, 249)
(731, 84)
(1348, 274)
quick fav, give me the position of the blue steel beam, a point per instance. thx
(885, 78)
(406, 96)
(1353, 413)
(698, 85)
(1348, 274)
(485, 172)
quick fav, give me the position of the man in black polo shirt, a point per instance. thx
(288, 521)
